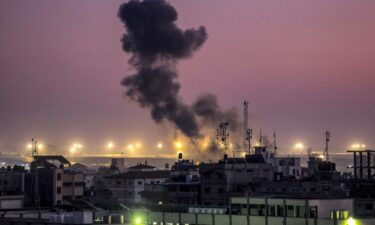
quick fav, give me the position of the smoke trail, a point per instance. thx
(156, 44)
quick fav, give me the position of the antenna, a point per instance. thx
(249, 136)
(260, 137)
(222, 138)
(34, 147)
(245, 124)
(328, 134)
(274, 142)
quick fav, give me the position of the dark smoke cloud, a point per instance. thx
(208, 109)
(152, 34)
(156, 44)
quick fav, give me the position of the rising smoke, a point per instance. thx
(156, 44)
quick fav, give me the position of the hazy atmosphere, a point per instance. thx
(304, 66)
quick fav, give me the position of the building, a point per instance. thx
(89, 176)
(12, 188)
(231, 177)
(182, 188)
(118, 163)
(266, 211)
(49, 183)
(12, 181)
(142, 167)
(127, 187)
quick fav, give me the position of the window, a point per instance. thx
(79, 184)
(326, 188)
(207, 190)
(118, 182)
(58, 190)
(272, 210)
(220, 190)
(59, 176)
(67, 184)
(139, 182)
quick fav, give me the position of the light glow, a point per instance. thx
(299, 146)
(351, 221)
(178, 145)
(159, 145)
(110, 145)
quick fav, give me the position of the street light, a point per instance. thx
(110, 145)
(299, 146)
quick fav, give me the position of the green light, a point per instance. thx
(351, 221)
(138, 220)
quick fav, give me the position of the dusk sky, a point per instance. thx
(304, 66)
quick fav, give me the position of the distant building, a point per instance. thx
(12, 188)
(232, 176)
(182, 188)
(50, 184)
(142, 167)
(118, 163)
(127, 187)
(88, 173)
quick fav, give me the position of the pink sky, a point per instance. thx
(305, 67)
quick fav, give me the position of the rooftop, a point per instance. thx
(140, 174)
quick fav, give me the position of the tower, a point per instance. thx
(245, 125)
(326, 155)
(222, 138)
(274, 142)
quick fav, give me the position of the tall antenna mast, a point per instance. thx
(328, 134)
(222, 138)
(245, 124)
(249, 136)
(274, 142)
(260, 137)
(34, 147)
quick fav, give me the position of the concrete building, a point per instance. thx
(142, 167)
(50, 184)
(118, 163)
(232, 176)
(127, 187)
(266, 211)
(11, 202)
(182, 188)
(88, 173)
(12, 181)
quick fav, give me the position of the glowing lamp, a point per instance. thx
(351, 221)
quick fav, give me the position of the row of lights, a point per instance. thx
(110, 145)
(76, 147)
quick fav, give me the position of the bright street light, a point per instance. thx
(110, 145)
(299, 146)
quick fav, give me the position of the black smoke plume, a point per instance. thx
(156, 44)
